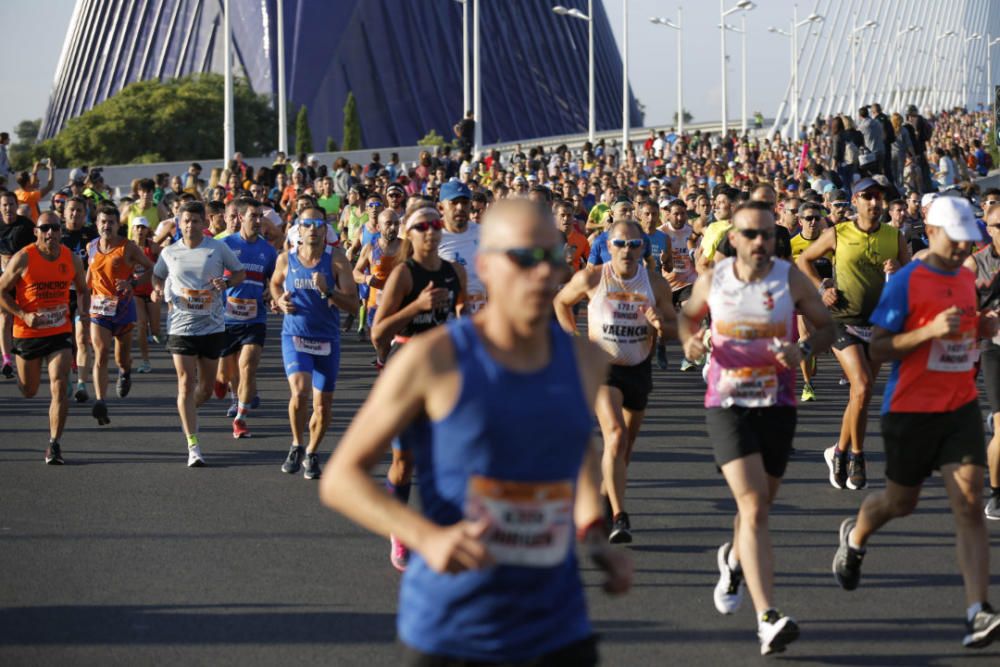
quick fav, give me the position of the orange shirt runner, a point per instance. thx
(44, 289)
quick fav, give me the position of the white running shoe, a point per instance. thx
(776, 631)
(194, 457)
(729, 591)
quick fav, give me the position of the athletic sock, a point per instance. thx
(852, 544)
(242, 410)
(733, 564)
(973, 610)
(401, 492)
(192, 441)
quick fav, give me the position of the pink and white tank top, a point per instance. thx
(616, 316)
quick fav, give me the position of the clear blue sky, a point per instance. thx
(34, 32)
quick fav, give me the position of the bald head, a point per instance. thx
(387, 217)
(516, 223)
(49, 218)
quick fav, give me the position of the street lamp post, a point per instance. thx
(465, 55)
(282, 102)
(477, 107)
(796, 24)
(896, 54)
(625, 119)
(680, 67)
(577, 14)
(742, 5)
(229, 135)
(989, 68)
(855, 37)
(935, 97)
(965, 65)
(792, 62)
(743, 84)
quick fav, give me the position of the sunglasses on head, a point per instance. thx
(631, 244)
(528, 258)
(427, 224)
(752, 234)
(312, 222)
(48, 228)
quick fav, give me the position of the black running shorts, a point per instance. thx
(739, 432)
(918, 443)
(209, 346)
(40, 348)
(238, 335)
(634, 382)
(681, 295)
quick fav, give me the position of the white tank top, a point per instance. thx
(616, 316)
(462, 249)
(684, 273)
(746, 318)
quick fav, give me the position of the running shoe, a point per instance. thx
(7, 370)
(240, 429)
(836, 461)
(983, 628)
(53, 454)
(729, 591)
(195, 459)
(776, 631)
(621, 529)
(844, 381)
(100, 413)
(349, 322)
(399, 555)
(808, 393)
(687, 365)
(857, 476)
(992, 509)
(312, 470)
(144, 367)
(661, 357)
(124, 385)
(363, 335)
(847, 561)
(255, 403)
(158, 339)
(294, 460)
(81, 394)
(234, 409)
(220, 389)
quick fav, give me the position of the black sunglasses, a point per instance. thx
(48, 228)
(751, 234)
(529, 258)
(812, 218)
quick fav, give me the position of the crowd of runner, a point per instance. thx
(865, 237)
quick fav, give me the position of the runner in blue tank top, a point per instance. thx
(508, 472)
(311, 285)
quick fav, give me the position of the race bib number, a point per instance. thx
(241, 309)
(103, 306)
(625, 318)
(951, 355)
(864, 333)
(748, 387)
(531, 523)
(474, 303)
(195, 300)
(319, 348)
(50, 318)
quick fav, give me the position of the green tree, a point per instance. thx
(432, 138)
(352, 125)
(174, 120)
(331, 145)
(21, 151)
(687, 117)
(303, 135)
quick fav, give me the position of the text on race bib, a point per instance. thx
(195, 300)
(50, 318)
(755, 387)
(953, 355)
(241, 309)
(103, 306)
(319, 348)
(531, 523)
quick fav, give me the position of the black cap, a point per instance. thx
(866, 184)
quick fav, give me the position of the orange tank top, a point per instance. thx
(381, 266)
(44, 289)
(107, 268)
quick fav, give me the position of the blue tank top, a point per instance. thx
(491, 453)
(314, 317)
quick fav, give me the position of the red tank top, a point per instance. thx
(44, 289)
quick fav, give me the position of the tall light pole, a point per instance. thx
(935, 98)
(465, 56)
(989, 69)
(792, 77)
(965, 65)
(742, 5)
(625, 123)
(796, 24)
(477, 107)
(229, 135)
(577, 14)
(743, 83)
(282, 102)
(855, 37)
(680, 66)
(896, 54)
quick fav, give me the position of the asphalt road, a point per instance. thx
(126, 556)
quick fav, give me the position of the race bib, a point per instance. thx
(50, 318)
(241, 309)
(103, 306)
(195, 300)
(625, 318)
(319, 348)
(531, 523)
(952, 355)
(474, 302)
(864, 333)
(748, 387)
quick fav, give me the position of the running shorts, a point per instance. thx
(319, 358)
(208, 346)
(121, 322)
(39, 348)
(634, 382)
(682, 295)
(848, 335)
(238, 335)
(918, 443)
(738, 432)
